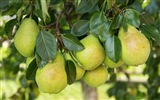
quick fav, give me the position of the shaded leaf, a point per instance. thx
(113, 48)
(71, 71)
(150, 32)
(85, 6)
(104, 31)
(9, 27)
(71, 42)
(116, 23)
(96, 20)
(132, 17)
(23, 81)
(39, 61)
(146, 19)
(31, 70)
(46, 46)
(80, 27)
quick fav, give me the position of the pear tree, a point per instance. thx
(88, 41)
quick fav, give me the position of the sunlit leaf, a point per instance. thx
(71, 42)
(46, 46)
(71, 71)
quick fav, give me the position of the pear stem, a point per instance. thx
(31, 13)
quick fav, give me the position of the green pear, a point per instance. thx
(135, 46)
(93, 54)
(25, 37)
(29, 60)
(96, 77)
(109, 63)
(79, 70)
(52, 77)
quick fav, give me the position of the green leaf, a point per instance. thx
(9, 27)
(80, 28)
(150, 32)
(39, 61)
(113, 48)
(71, 42)
(44, 7)
(4, 4)
(23, 81)
(146, 19)
(116, 23)
(104, 31)
(132, 17)
(31, 70)
(71, 71)
(85, 6)
(46, 46)
(96, 20)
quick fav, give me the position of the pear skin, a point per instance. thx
(93, 54)
(109, 63)
(29, 60)
(96, 77)
(135, 46)
(79, 70)
(52, 78)
(25, 37)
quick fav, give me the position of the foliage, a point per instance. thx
(64, 22)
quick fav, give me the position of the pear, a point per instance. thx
(52, 77)
(96, 77)
(135, 46)
(109, 63)
(25, 37)
(29, 60)
(93, 54)
(79, 70)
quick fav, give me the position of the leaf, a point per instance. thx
(31, 70)
(116, 23)
(152, 7)
(70, 71)
(96, 20)
(104, 31)
(85, 6)
(9, 27)
(113, 48)
(44, 7)
(46, 46)
(71, 42)
(132, 17)
(80, 27)
(23, 81)
(39, 61)
(146, 19)
(150, 32)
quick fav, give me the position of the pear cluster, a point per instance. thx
(91, 63)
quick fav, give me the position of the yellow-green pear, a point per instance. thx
(25, 37)
(79, 70)
(135, 46)
(93, 54)
(52, 77)
(96, 77)
(29, 60)
(109, 63)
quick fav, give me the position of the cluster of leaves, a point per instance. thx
(63, 23)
